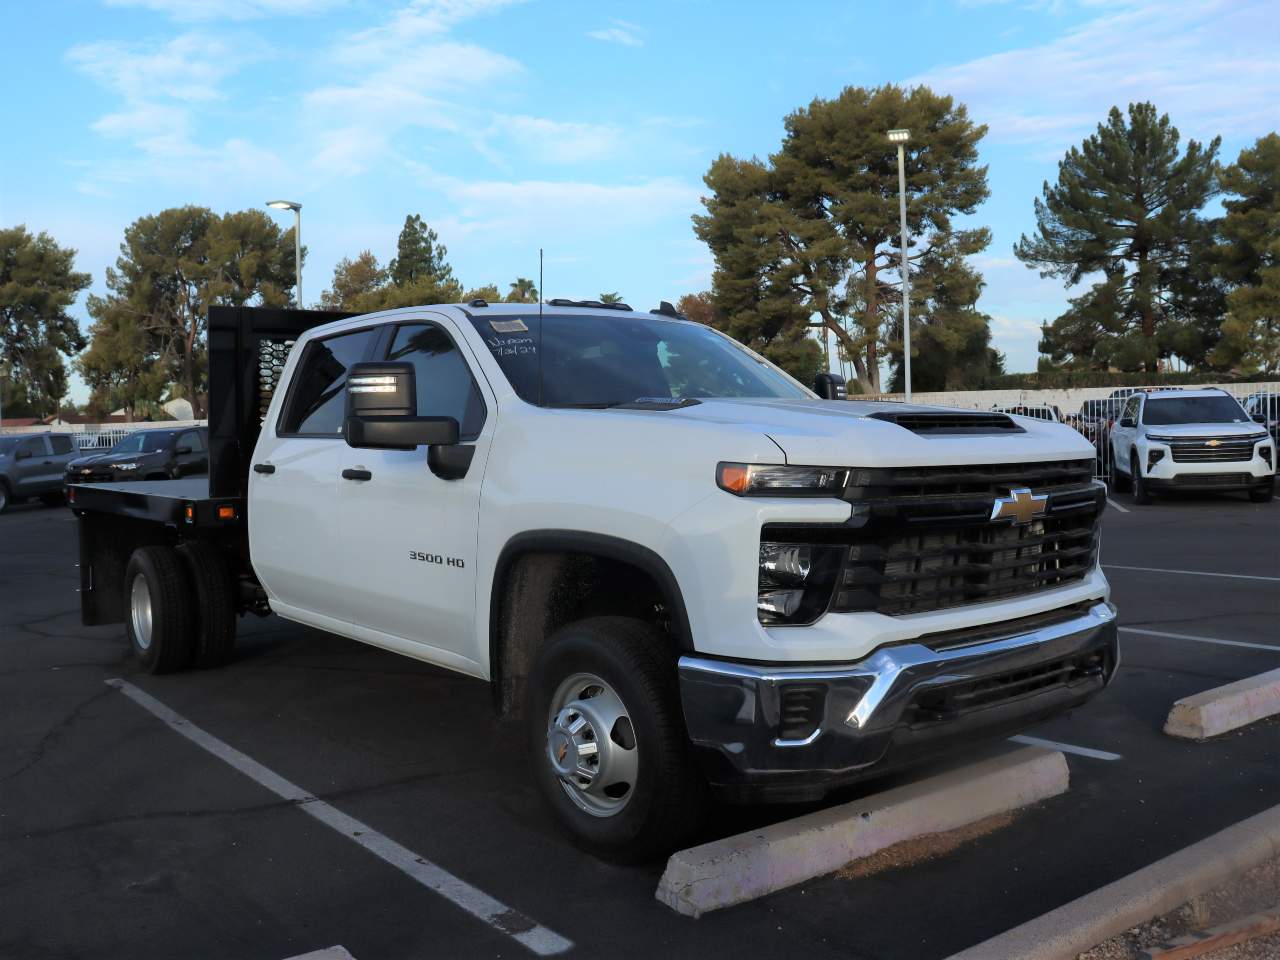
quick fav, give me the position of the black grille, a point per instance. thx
(922, 538)
(987, 480)
(1215, 479)
(1212, 450)
(950, 423)
(948, 702)
(969, 636)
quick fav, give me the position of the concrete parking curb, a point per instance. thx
(740, 868)
(1226, 708)
(1064, 933)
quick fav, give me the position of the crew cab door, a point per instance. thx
(1124, 431)
(33, 468)
(189, 454)
(411, 535)
(296, 524)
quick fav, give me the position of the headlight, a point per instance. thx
(1154, 439)
(124, 466)
(796, 581)
(767, 480)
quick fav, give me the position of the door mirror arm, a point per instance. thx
(451, 462)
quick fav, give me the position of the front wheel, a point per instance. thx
(1263, 494)
(607, 739)
(1141, 495)
(5, 499)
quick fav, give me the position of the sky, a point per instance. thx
(581, 128)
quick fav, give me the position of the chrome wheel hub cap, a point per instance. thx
(140, 610)
(591, 745)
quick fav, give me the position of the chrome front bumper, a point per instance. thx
(901, 703)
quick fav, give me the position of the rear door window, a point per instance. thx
(317, 395)
(61, 445)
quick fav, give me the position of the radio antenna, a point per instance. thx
(539, 326)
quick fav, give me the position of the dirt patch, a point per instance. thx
(1258, 889)
(929, 847)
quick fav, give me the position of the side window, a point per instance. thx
(444, 382)
(190, 439)
(1131, 410)
(33, 445)
(61, 444)
(317, 401)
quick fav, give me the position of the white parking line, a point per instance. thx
(476, 902)
(1117, 506)
(1274, 648)
(1089, 752)
(1194, 573)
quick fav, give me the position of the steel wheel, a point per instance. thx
(140, 610)
(591, 745)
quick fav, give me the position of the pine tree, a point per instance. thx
(1126, 205)
(1247, 258)
(814, 232)
(419, 255)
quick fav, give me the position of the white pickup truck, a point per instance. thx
(677, 566)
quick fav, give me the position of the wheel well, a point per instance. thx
(537, 591)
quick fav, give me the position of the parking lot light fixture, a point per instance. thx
(297, 240)
(900, 137)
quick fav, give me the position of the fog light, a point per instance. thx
(781, 604)
(1154, 457)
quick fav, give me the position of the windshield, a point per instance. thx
(1165, 412)
(152, 441)
(601, 361)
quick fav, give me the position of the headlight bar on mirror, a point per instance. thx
(776, 480)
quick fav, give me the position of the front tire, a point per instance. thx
(5, 498)
(607, 739)
(1263, 494)
(1141, 495)
(157, 605)
(1119, 482)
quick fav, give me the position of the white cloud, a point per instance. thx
(404, 33)
(620, 31)
(189, 67)
(1211, 66)
(539, 208)
(554, 141)
(228, 9)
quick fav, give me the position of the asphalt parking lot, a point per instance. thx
(120, 838)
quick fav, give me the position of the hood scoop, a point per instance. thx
(934, 423)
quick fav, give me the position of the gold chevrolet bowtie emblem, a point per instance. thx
(1213, 443)
(1021, 506)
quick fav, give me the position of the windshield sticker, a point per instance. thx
(509, 326)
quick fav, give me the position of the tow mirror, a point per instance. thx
(1260, 418)
(382, 410)
(829, 386)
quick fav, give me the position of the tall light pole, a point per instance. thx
(900, 137)
(297, 239)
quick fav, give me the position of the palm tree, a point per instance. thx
(610, 298)
(522, 291)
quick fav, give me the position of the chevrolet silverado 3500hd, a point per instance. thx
(680, 567)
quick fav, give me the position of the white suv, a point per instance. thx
(1191, 440)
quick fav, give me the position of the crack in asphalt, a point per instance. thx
(53, 733)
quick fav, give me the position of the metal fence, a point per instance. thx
(1093, 412)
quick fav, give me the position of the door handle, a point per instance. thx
(263, 468)
(356, 475)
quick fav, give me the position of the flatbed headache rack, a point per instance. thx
(248, 347)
